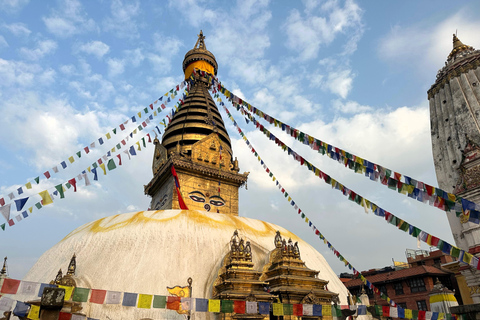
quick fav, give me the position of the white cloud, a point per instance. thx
(350, 107)
(96, 48)
(12, 5)
(307, 32)
(115, 67)
(69, 20)
(14, 73)
(18, 29)
(166, 45)
(3, 42)
(42, 48)
(122, 21)
(340, 82)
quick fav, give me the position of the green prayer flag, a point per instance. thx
(392, 184)
(80, 294)
(118, 146)
(378, 310)
(393, 221)
(79, 154)
(140, 128)
(159, 301)
(68, 185)
(146, 110)
(286, 194)
(227, 306)
(3, 227)
(303, 215)
(440, 244)
(114, 130)
(455, 252)
(143, 140)
(60, 190)
(388, 173)
(287, 309)
(111, 164)
(271, 174)
(358, 199)
(337, 310)
(415, 232)
(38, 205)
(95, 165)
(37, 180)
(405, 226)
(414, 314)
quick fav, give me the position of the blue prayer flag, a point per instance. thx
(21, 309)
(95, 177)
(20, 203)
(24, 214)
(201, 305)
(264, 307)
(361, 310)
(20, 190)
(401, 312)
(317, 310)
(43, 286)
(64, 165)
(132, 151)
(129, 299)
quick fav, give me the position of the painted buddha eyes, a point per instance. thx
(197, 196)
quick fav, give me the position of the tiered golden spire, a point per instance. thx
(458, 47)
(3, 272)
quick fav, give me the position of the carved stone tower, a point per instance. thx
(455, 127)
(197, 144)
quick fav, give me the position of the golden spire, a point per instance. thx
(458, 47)
(199, 58)
(3, 272)
(72, 266)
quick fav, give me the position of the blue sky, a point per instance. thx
(354, 74)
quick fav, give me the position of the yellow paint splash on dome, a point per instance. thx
(107, 224)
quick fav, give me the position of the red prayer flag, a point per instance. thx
(151, 106)
(429, 189)
(86, 150)
(47, 174)
(98, 296)
(435, 241)
(385, 311)
(421, 315)
(239, 307)
(173, 303)
(144, 124)
(64, 316)
(124, 142)
(298, 310)
(10, 222)
(73, 182)
(119, 160)
(397, 176)
(2, 202)
(99, 161)
(10, 286)
(122, 127)
(149, 139)
(181, 203)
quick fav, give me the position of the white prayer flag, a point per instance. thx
(55, 169)
(92, 145)
(79, 177)
(308, 309)
(6, 303)
(28, 288)
(113, 297)
(428, 315)
(5, 210)
(78, 317)
(11, 195)
(19, 218)
(251, 306)
(186, 303)
(87, 181)
(104, 157)
(126, 152)
(393, 312)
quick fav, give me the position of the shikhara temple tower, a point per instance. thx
(197, 144)
(455, 128)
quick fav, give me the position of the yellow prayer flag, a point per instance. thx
(34, 312)
(108, 136)
(103, 168)
(139, 114)
(135, 131)
(144, 301)
(306, 220)
(273, 178)
(89, 169)
(71, 159)
(441, 316)
(45, 197)
(213, 305)
(410, 188)
(30, 209)
(113, 149)
(277, 309)
(289, 199)
(244, 138)
(451, 197)
(317, 172)
(28, 185)
(408, 313)
(429, 239)
(259, 158)
(154, 113)
(166, 94)
(68, 291)
(138, 144)
(326, 310)
(467, 257)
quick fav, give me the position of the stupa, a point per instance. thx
(226, 256)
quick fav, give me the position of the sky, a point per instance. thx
(351, 73)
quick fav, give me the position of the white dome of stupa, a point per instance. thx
(144, 252)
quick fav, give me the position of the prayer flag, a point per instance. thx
(113, 297)
(34, 312)
(46, 199)
(201, 305)
(144, 301)
(47, 174)
(159, 301)
(60, 190)
(68, 291)
(181, 203)
(308, 309)
(5, 210)
(227, 306)
(97, 296)
(317, 310)
(111, 165)
(277, 309)
(102, 166)
(10, 286)
(43, 286)
(73, 182)
(173, 303)
(186, 303)
(298, 310)
(239, 307)
(129, 299)
(213, 305)
(28, 288)
(20, 203)
(251, 306)
(71, 159)
(64, 316)
(264, 307)
(21, 309)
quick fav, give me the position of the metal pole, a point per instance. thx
(190, 289)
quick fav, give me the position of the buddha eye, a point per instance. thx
(217, 203)
(196, 198)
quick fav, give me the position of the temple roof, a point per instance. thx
(458, 47)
